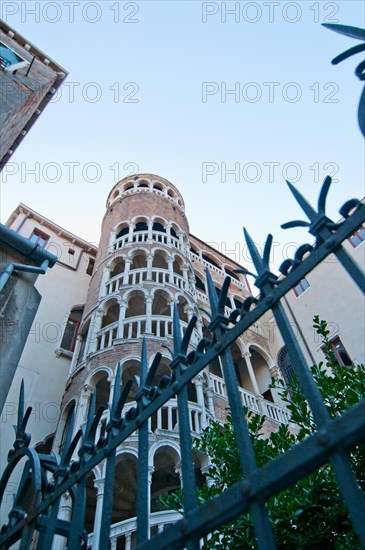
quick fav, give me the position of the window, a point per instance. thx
(285, 365)
(357, 237)
(301, 287)
(69, 336)
(90, 266)
(340, 352)
(9, 60)
(39, 238)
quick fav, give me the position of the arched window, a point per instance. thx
(72, 326)
(285, 365)
(66, 427)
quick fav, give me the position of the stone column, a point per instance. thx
(149, 267)
(122, 310)
(209, 394)
(199, 381)
(104, 279)
(94, 328)
(99, 486)
(170, 262)
(148, 329)
(75, 354)
(251, 373)
(150, 226)
(130, 233)
(127, 265)
(65, 513)
(83, 407)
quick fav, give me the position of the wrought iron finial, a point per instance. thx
(358, 34)
(319, 224)
(262, 263)
(22, 439)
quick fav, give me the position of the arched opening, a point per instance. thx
(139, 261)
(143, 184)
(157, 187)
(199, 283)
(182, 307)
(68, 414)
(165, 479)
(141, 226)
(158, 227)
(131, 371)
(173, 233)
(111, 315)
(125, 488)
(122, 230)
(129, 186)
(240, 366)
(170, 194)
(118, 268)
(136, 305)
(232, 274)
(161, 303)
(177, 266)
(262, 373)
(159, 261)
(210, 261)
(102, 389)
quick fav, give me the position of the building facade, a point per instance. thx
(99, 304)
(28, 81)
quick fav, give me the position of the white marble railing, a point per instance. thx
(145, 236)
(166, 418)
(125, 531)
(253, 402)
(158, 276)
(106, 336)
(135, 327)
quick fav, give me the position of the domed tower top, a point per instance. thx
(145, 183)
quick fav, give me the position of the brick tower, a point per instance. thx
(147, 261)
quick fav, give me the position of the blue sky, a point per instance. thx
(148, 91)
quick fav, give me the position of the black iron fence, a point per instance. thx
(35, 516)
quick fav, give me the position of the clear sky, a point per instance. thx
(148, 91)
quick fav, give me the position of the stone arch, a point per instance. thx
(158, 186)
(261, 361)
(121, 229)
(161, 304)
(136, 303)
(212, 259)
(175, 230)
(111, 313)
(65, 421)
(125, 487)
(165, 475)
(159, 224)
(182, 307)
(116, 266)
(160, 259)
(131, 368)
(138, 259)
